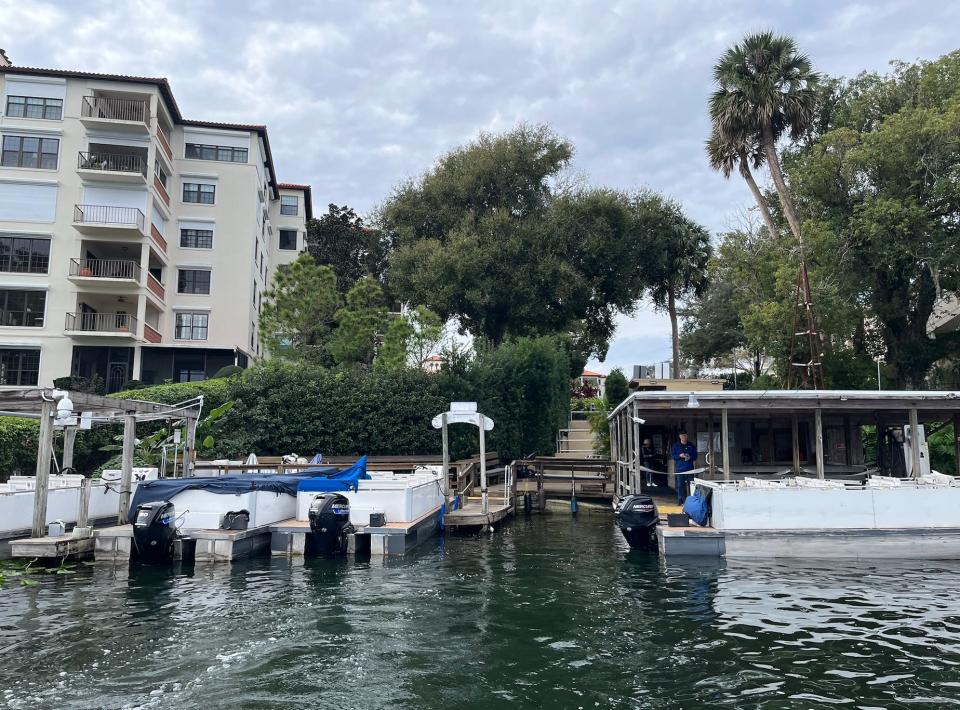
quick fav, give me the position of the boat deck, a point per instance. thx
(471, 515)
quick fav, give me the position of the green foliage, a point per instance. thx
(228, 371)
(93, 385)
(299, 312)
(600, 425)
(486, 236)
(393, 352)
(359, 322)
(943, 456)
(339, 239)
(616, 388)
(216, 392)
(18, 446)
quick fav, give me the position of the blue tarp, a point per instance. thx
(697, 507)
(167, 488)
(345, 480)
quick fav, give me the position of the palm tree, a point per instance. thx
(684, 250)
(725, 155)
(765, 88)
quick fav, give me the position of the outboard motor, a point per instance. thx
(637, 518)
(330, 523)
(154, 530)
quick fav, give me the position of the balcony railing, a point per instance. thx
(102, 322)
(164, 142)
(116, 162)
(151, 334)
(105, 268)
(158, 238)
(103, 214)
(155, 286)
(114, 109)
(161, 190)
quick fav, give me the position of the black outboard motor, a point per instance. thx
(330, 523)
(637, 518)
(154, 530)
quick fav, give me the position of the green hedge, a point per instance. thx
(280, 408)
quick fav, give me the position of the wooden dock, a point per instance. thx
(471, 515)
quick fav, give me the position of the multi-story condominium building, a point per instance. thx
(134, 243)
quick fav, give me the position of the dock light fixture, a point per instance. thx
(638, 420)
(692, 401)
(64, 406)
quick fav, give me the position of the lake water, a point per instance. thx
(548, 612)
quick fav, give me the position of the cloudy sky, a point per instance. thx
(358, 95)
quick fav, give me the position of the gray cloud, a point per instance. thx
(359, 96)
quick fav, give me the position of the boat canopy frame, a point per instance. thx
(86, 410)
(851, 408)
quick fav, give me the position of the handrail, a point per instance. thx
(105, 268)
(116, 162)
(151, 334)
(154, 285)
(114, 109)
(164, 141)
(106, 214)
(101, 322)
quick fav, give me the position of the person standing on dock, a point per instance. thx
(684, 455)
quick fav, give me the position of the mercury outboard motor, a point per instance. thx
(637, 518)
(330, 523)
(154, 530)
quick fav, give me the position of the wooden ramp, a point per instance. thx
(471, 514)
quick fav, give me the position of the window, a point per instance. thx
(289, 204)
(160, 173)
(288, 239)
(34, 107)
(190, 366)
(216, 152)
(19, 366)
(192, 326)
(22, 308)
(23, 255)
(199, 193)
(193, 281)
(30, 152)
(196, 238)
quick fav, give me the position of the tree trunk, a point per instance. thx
(757, 195)
(773, 162)
(674, 332)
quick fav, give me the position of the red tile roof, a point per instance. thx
(591, 373)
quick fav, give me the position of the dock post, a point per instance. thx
(126, 466)
(725, 443)
(83, 513)
(956, 441)
(189, 447)
(710, 452)
(795, 434)
(914, 443)
(42, 486)
(818, 439)
(69, 438)
(483, 467)
(446, 460)
(637, 459)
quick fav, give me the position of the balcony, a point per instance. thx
(115, 325)
(161, 190)
(101, 219)
(164, 143)
(131, 115)
(124, 272)
(111, 167)
(151, 334)
(155, 287)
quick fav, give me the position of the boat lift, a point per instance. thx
(464, 413)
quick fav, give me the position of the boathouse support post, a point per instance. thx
(956, 441)
(126, 466)
(914, 443)
(818, 439)
(69, 439)
(42, 486)
(83, 512)
(190, 446)
(795, 436)
(710, 452)
(446, 460)
(637, 458)
(483, 467)
(725, 442)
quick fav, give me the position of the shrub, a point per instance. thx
(228, 371)
(93, 385)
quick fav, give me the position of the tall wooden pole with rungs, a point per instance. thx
(806, 374)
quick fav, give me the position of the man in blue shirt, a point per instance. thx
(684, 455)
